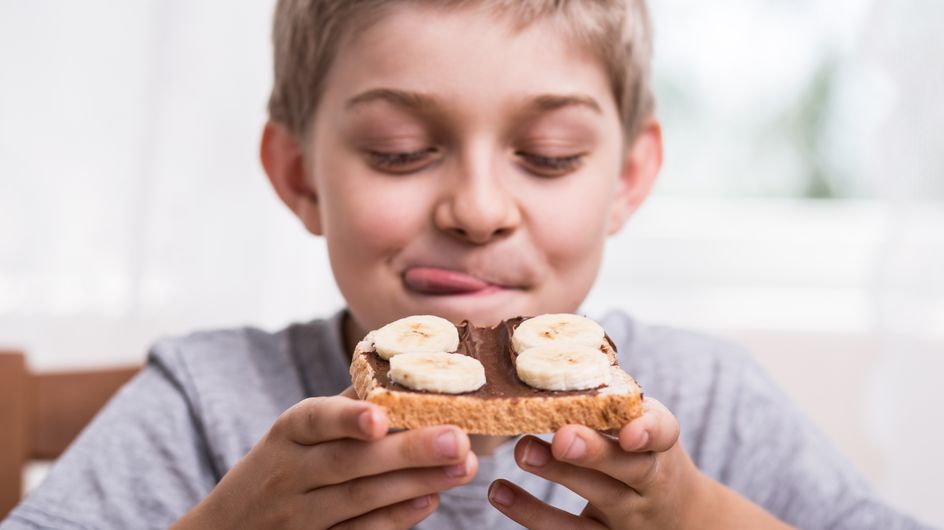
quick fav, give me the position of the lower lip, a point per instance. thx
(492, 295)
(484, 291)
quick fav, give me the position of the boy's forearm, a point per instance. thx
(720, 507)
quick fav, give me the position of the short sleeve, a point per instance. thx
(141, 463)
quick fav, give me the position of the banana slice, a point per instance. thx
(556, 328)
(447, 373)
(419, 333)
(563, 367)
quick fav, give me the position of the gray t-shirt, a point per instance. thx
(204, 400)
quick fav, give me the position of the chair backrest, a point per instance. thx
(42, 412)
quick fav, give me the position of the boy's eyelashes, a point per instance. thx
(404, 162)
(550, 166)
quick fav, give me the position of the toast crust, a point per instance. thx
(609, 408)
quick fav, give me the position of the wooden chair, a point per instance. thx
(41, 413)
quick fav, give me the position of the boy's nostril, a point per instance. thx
(479, 237)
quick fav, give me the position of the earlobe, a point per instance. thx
(284, 162)
(641, 165)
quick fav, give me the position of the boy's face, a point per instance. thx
(459, 168)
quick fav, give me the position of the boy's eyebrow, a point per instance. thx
(410, 100)
(419, 101)
(546, 102)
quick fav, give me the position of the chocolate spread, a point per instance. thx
(492, 347)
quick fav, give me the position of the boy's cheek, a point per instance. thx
(367, 208)
(571, 227)
(370, 233)
(370, 219)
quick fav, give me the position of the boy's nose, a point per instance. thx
(477, 211)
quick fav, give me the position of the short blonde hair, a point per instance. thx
(307, 33)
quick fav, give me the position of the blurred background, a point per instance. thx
(800, 212)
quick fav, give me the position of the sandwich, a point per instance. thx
(524, 375)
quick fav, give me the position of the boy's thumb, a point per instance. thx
(349, 393)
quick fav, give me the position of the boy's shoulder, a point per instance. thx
(210, 361)
(219, 347)
(237, 381)
(249, 354)
(245, 365)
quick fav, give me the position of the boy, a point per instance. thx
(465, 159)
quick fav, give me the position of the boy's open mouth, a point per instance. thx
(436, 281)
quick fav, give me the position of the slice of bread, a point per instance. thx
(505, 405)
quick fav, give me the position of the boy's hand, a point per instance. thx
(641, 479)
(329, 462)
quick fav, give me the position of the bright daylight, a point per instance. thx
(796, 226)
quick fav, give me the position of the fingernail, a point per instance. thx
(460, 470)
(447, 444)
(577, 449)
(420, 502)
(502, 495)
(535, 454)
(644, 439)
(367, 420)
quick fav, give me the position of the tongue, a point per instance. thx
(441, 281)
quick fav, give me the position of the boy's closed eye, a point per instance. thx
(402, 133)
(549, 166)
(403, 162)
(413, 161)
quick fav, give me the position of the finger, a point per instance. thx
(399, 516)
(349, 392)
(584, 447)
(357, 497)
(318, 419)
(342, 460)
(535, 456)
(526, 510)
(656, 430)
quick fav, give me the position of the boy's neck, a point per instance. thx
(481, 445)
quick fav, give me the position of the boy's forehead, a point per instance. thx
(398, 14)
(418, 57)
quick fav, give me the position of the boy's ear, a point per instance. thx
(284, 162)
(641, 164)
